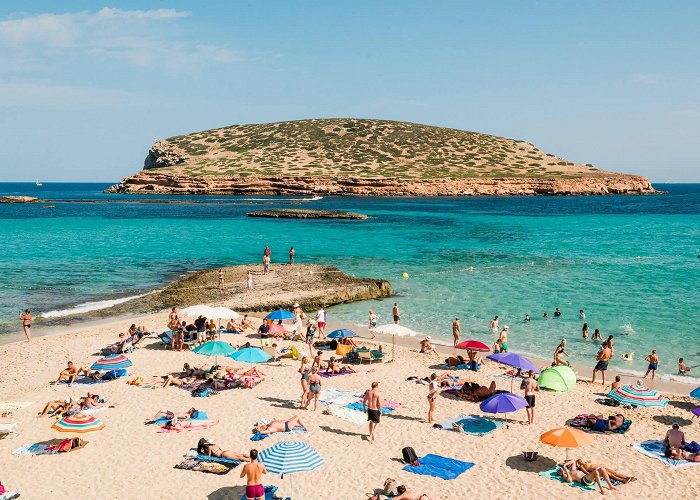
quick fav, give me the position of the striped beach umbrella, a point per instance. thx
(290, 457)
(78, 423)
(638, 395)
(111, 362)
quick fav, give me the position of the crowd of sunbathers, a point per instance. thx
(591, 474)
(200, 379)
(131, 338)
(62, 408)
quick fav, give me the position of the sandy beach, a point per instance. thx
(120, 460)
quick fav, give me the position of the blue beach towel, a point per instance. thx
(358, 407)
(656, 449)
(207, 458)
(269, 492)
(442, 467)
(552, 474)
(474, 425)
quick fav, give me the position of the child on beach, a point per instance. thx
(683, 369)
(653, 360)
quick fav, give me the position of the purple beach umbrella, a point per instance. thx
(504, 402)
(696, 411)
(514, 360)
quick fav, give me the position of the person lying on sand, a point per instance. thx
(71, 373)
(172, 416)
(206, 447)
(678, 454)
(472, 391)
(233, 373)
(617, 476)
(280, 425)
(334, 366)
(601, 424)
(57, 407)
(573, 474)
(404, 494)
(92, 401)
(161, 381)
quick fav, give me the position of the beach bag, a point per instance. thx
(200, 393)
(692, 447)
(409, 455)
(2, 489)
(114, 374)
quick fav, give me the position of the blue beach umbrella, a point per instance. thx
(290, 457)
(214, 348)
(280, 314)
(250, 355)
(504, 402)
(341, 334)
(695, 393)
(111, 362)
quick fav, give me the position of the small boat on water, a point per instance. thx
(38, 183)
(49, 206)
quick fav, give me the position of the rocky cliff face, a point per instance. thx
(153, 182)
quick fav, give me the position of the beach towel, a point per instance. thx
(329, 375)
(656, 449)
(474, 425)
(14, 405)
(552, 474)
(45, 448)
(353, 416)
(437, 466)
(338, 397)
(210, 467)
(207, 458)
(259, 437)
(582, 422)
(269, 492)
(83, 381)
(357, 406)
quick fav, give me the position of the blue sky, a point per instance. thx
(86, 88)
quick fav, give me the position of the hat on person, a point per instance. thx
(428, 337)
(505, 327)
(675, 425)
(206, 442)
(296, 304)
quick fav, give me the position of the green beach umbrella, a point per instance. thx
(559, 378)
(214, 348)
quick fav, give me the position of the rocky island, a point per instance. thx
(289, 213)
(355, 157)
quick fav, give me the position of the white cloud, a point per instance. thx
(41, 95)
(645, 78)
(140, 37)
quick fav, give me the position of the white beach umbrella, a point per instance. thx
(394, 330)
(199, 310)
(224, 313)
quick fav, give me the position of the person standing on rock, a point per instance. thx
(221, 280)
(26, 318)
(291, 256)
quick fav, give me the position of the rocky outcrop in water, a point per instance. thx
(306, 214)
(19, 199)
(154, 182)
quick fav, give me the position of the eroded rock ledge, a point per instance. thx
(153, 182)
(306, 214)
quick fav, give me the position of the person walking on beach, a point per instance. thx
(559, 352)
(221, 280)
(396, 313)
(456, 331)
(494, 324)
(432, 397)
(305, 371)
(314, 388)
(321, 321)
(253, 472)
(266, 264)
(249, 281)
(529, 386)
(504, 339)
(310, 333)
(291, 256)
(373, 319)
(602, 358)
(26, 318)
(653, 360)
(372, 405)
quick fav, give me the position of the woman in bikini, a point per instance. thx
(314, 388)
(26, 318)
(305, 371)
(432, 396)
(617, 476)
(573, 474)
(206, 447)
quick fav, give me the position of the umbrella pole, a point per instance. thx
(393, 346)
(512, 378)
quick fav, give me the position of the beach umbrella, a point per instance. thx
(393, 329)
(223, 313)
(341, 334)
(277, 328)
(214, 348)
(111, 362)
(280, 314)
(566, 437)
(250, 355)
(559, 378)
(696, 411)
(638, 395)
(199, 310)
(514, 360)
(473, 345)
(78, 423)
(289, 457)
(695, 393)
(504, 402)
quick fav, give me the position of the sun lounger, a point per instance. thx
(552, 474)
(166, 339)
(471, 424)
(656, 449)
(437, 466)
(365, 356)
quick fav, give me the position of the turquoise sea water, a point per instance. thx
(630, 262)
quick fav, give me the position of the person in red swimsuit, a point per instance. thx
(253, 472)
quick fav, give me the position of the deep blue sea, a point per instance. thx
(631, 262)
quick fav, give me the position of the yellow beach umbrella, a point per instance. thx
(566, 437)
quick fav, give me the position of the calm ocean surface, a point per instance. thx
(631, 262)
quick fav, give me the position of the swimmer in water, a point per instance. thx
(582, 315)
(545, 316)
(653, 360)
(527, 317)
(557, 313)
(494, 324)
(584, 331)
(596, 335)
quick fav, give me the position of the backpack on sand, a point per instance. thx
(409, 455)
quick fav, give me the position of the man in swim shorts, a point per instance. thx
(504, 339)
(602, 357)
(253, 473)
(529, 385)
(396, 313)
(372, 404)
(493, 326)
(653, 360)
(281, 425)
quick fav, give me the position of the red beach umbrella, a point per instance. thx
(473, 345)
